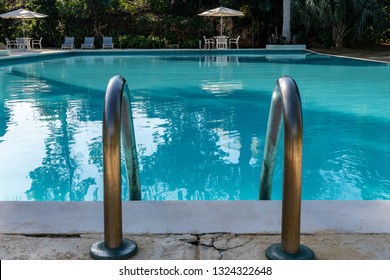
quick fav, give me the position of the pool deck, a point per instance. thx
(192, 230)
(195, 229)
(377, 53)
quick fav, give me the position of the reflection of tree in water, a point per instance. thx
(4, 116)
(180, 162)
(188, 163)
(59, 178)
(60, 175)
(96, 158)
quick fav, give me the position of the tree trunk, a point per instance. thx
(286, 20)
(253, 32)
(339, 35)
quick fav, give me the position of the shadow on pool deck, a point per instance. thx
(50, 236)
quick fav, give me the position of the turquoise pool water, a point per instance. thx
(200, 123)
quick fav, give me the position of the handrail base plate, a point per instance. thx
(100, 252)
(275, 252)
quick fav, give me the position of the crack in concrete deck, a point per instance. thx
(327, 246)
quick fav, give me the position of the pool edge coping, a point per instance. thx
(195, 217)
(33, 56)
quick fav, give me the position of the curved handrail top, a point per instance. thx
(286, 104)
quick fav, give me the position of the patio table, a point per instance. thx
(221, 42)
(24, 43)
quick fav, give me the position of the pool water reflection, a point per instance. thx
(200, 126)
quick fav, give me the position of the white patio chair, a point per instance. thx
(222, 42)
(208, 43)
(234, 41)
(36, 42)
(10, 43)
(23, 43)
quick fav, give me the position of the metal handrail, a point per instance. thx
(116, 115)
(285, 103)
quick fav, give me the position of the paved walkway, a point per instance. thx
(379, 53)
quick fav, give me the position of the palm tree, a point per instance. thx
(286, 20)
(339, 19)
(353, 19)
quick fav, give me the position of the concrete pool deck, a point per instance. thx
(204, 230)
(377, 53)
(195, 229)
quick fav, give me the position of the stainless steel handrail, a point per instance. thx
(286, 103)
(116, 115)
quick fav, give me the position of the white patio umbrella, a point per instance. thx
(221, 12)
(22, 14)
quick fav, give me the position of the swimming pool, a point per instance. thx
(200, 123)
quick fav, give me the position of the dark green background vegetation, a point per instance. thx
(158, 23)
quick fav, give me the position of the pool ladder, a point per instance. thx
(117, 113)
(286, 104)
(117, 116)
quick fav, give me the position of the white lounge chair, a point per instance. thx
(36, 42)
(208, 43)
(88, 43)
(234, 41)
(107, 43)
(68, 43)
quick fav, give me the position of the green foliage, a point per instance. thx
(340, 21)
(156, 23)
(142, 42)
(160, 6)
(135, 7)
(73, 20)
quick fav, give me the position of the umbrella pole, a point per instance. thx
(24, 31)
(221, 30)
(24, 35)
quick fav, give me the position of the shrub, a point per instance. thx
(142, 42)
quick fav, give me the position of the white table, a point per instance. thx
(221, 42)
(23, 43)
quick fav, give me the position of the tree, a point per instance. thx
(98, 8)
(333, 22)
(286, 20)
(341, 20)
(258, 13)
